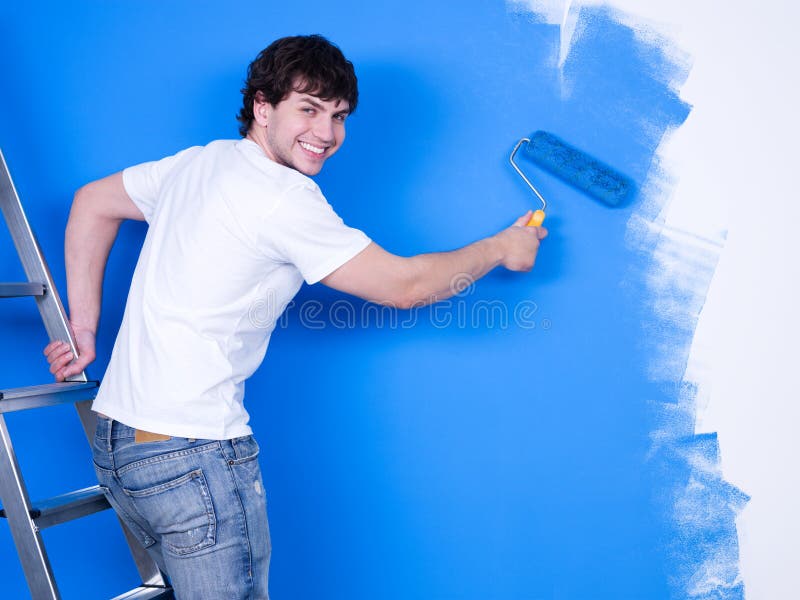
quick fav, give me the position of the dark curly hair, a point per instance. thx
(308, 64)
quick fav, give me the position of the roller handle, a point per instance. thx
(537, 219)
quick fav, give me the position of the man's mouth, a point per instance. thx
(318, 150)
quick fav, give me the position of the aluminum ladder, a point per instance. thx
(27, 519)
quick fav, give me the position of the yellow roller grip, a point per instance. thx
(537, 219)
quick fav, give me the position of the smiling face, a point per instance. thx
(301, 131)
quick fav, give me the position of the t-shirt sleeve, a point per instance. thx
(144, 182)
(305, 231)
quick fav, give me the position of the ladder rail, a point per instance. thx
(16, 501)
(24, 530)
(33, 262)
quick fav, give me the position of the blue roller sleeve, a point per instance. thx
(579, 169)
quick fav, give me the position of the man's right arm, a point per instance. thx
(404, 282)
(97, 211)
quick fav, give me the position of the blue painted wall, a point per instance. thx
(439, 458)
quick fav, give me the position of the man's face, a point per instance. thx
(301, 131)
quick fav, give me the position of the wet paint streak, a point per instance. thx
(702, 540)
(698, 505)
(705, 545)
(675, 271)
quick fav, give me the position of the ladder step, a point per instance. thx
(49, 394)
(147, 592)
(14, 290)
(67, 507)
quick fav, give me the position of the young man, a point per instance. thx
(230, 224)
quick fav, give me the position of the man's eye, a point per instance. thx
(308, 110)
(340, 117)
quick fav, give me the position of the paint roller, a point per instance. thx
(574, 167)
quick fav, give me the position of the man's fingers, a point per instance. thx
(58, 353)
(62, 359)
(69, 371)
(54, 349)
(52, 346)
(77, 367)
(523, 220)
(58, 363)
(542, 232)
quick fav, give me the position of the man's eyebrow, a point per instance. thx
(311, 101)
(315, 103)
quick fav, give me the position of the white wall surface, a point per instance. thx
(745, 86)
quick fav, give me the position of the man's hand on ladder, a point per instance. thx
(59, 354)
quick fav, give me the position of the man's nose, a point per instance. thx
(323, 129)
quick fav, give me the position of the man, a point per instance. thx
(230, 224)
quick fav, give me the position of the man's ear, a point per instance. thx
(261, 109)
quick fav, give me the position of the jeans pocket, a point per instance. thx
(245, 449)
(180, 511)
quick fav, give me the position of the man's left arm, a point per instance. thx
(97, 211)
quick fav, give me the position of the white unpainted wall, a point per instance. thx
(735, 161)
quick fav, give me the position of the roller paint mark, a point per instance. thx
(612, 71)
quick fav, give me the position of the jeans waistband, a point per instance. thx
(109, 429)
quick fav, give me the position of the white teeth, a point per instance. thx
(311, 148)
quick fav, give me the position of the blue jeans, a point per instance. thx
(197, 506)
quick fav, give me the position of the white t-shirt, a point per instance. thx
(232, 236)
